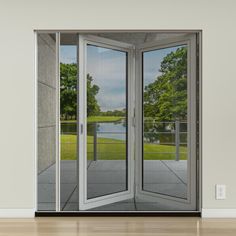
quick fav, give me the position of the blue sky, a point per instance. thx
(108, 69)
(68, 54)
(152, 62)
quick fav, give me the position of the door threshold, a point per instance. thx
(121, 213)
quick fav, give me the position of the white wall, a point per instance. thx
(18, 19)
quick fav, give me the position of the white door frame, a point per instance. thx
(84, 203)
(190, 203)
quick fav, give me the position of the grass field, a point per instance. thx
(97, 119)
(116, 149)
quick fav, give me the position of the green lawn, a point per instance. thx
(116, 150)
(97, 119)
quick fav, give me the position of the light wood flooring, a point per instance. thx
(118, 226)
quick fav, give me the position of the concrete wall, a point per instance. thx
(46, 101)
(18, 19)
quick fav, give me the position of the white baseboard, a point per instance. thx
(17, 213)
(218, 213)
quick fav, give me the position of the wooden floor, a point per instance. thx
(118, 226)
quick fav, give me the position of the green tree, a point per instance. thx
(92, 104)
(166, 98)
(113, 113)
(68, 92)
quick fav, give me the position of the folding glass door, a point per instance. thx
(166, 123)
(105, 150)
(117, 122)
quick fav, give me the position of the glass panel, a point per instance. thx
(106, 121)
(46, 122)
(165, 121)
(68, 119)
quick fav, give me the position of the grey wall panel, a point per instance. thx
(46, 101)
(47, 60)
(46, 105)
(46, 147)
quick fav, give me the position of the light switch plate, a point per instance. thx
(220, 192)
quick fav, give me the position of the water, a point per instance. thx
(113, 130)
(117, 130)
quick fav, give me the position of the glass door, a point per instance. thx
(105, 115)
(166, 125)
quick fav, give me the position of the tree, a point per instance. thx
(68, 93)
(92, 104)
(114, 113)
(166, 98)
(68, 90)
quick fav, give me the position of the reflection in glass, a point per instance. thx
(165, 121)
(106, 121)
(68, 118)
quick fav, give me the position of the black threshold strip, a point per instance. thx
(136, 214)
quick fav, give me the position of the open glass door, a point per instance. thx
(166, 124)
(105, 153)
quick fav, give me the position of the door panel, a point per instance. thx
(164, 121)
(105, 161)
(107, 142)
(166, 170)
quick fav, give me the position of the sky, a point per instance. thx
(108, 70)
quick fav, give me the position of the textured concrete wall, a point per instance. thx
(46, 101)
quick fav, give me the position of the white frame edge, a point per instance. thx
(58, 132)
(35, 120)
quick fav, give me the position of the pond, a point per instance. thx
(117, 130)
(113, 130)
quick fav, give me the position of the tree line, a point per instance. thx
(164, 100)
(68, 95)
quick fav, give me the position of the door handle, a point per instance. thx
(133, 121)
(81, 128)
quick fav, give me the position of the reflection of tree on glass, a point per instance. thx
(165, 99)
(93, 108)
(165, 115)
(68, 92)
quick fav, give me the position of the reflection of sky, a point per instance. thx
(152, 63)
(108, 69)
(68, 54)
